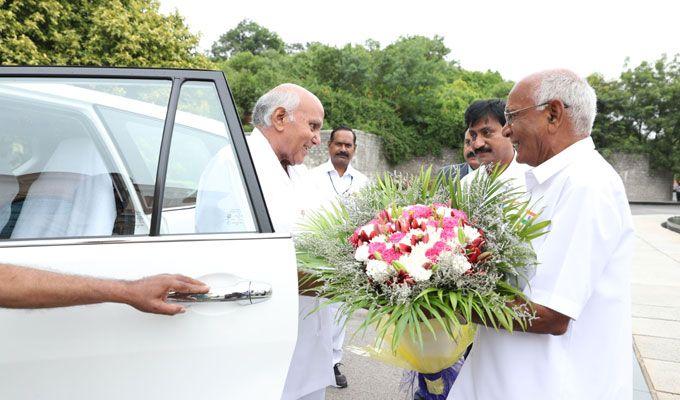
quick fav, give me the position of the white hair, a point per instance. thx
(574, 92)
(270, 101)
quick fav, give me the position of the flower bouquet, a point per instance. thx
(424, 256)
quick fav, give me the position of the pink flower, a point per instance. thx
(458, 214)
(396, 237)
(390, 254)
(450, 222)
(376, 247)
(449, 233)
(433, 252)
(420, 211)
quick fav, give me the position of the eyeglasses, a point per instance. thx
(510, 115)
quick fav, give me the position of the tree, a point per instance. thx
(247, 36)
(406, 92)
(640, 112)
(95, 32)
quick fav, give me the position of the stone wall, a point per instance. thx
(642, 183)
(370, 157)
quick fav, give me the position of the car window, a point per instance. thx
(205, 190)
(61, 173)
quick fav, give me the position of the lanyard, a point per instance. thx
(351, 180)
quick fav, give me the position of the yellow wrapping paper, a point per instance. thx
(438, 352)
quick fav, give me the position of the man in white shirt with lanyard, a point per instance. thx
(485, 120)
(334, 180)
(579, 345)
(288, 122)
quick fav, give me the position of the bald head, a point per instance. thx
(569, 88)
(287, 96)
(290, 117)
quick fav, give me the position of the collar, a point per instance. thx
(263, 153)
(328, 167)
(542, 172)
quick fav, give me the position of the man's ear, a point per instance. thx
(279, 117)
(556, 115)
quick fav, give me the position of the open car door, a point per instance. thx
(100, 170)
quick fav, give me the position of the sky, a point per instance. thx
(513, 37)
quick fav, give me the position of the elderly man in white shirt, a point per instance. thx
(333, 181)
(485, 120)
(288, 121)
(579, 345)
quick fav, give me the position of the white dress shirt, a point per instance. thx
(329, 185)
(583, 273)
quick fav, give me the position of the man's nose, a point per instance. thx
(316, 139)
(477, 143)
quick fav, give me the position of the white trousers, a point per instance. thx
(338, 333)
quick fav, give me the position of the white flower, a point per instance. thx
(434, 233)
(460, 263)
(470, 233)
(420, 274)
(361, 254)
(407, 238)
(378, 270)
(415, 261)
(443, 211)
(367, 229)
(455, 245)
(378, 239)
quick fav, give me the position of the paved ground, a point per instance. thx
(656, 301)
(656, 321)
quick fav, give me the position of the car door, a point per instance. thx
(99, 174)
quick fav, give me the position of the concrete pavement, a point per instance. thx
(656, 305)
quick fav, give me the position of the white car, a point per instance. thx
(99, 173)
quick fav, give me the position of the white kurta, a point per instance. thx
(584, 273)
(329, 185)
(286, 201)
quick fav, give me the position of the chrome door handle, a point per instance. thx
(245, 292)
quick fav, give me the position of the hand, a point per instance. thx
(150, 294)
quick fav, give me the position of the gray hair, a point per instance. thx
(270, 101)
(573, 91)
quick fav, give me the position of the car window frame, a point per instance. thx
(178, 77)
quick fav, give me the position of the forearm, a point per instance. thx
(545, 320)
(306, 285)
(22, 287)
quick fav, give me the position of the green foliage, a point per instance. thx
(640, 112)
(95, 32)
(407, 92)
(247, 36)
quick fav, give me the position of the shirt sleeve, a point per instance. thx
(584, 232)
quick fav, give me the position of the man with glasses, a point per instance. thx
(485, 120)
(578, 345)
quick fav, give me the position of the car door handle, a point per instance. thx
(244, 292)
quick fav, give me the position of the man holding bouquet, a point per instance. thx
(578, 345)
